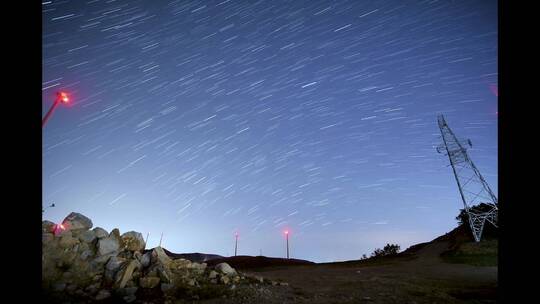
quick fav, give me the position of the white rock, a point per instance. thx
(108, 245)
(47, 226)
(225, 268)
(100, 232)
(114, 263)
(87, 236)
(159, 256)
(77, 221)
(145, 259)
(126, 273)
(133, 241)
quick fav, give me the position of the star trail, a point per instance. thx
(200, 119)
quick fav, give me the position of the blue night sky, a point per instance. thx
(202, 118)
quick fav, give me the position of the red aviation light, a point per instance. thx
(63, 97)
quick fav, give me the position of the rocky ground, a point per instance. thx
(86, 266)
(80, 265)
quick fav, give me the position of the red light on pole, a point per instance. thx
(287, 236)
(61, 97)
(58, 228)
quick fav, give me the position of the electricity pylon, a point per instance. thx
(473, 188)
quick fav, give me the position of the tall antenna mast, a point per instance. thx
(473, 188)
(236, 244)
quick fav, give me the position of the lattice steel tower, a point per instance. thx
(473, 188)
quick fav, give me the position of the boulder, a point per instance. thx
(180, 263)
(125, 273)
(259, 278)
(96, 264)
(145, 259)
(115, 232)
(86, 254)
(163, 273)
(127, 291)
(167, 287)
(102, 295)
(77, 221)
(159, 256)
(100, 232)
(108, 245)
(84, 246)
(47, 226)
(67, 241)
(92, 289)
(225, 268)
(47, 237)
(60, 286)
(71, 288)
(114, 263)
(101, 260)
(149, 282)
(133, 241)
(113, 266)
(198, 268)
(87, 236)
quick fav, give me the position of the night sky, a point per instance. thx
(200, 119)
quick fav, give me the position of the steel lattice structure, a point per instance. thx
(473, 188)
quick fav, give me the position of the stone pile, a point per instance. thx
(93, 265)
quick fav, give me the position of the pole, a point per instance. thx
(49, 113)
(236, 245)
(160, 239)
(287, 246)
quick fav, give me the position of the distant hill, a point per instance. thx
(194, 257)
(247, 262)
(240, 262)
(460, 248)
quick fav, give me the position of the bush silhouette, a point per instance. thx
(463, 220)
(388, 250)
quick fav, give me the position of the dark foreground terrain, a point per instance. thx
(450, 269)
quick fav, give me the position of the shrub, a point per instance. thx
(388, 250)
